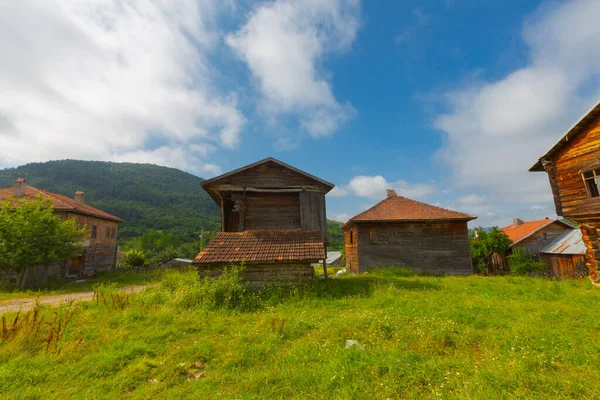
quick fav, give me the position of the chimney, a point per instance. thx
(517, 222)
(391, 193)
(19, 188)
(79, 197)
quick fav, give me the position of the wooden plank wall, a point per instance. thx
(276, 211)
(566, 266)
(270, 175)
(312, 212)
(582, 152)
(537, 242)
(437, 248)
(258, 275)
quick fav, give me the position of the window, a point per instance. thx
(113, 233)
(108, 233)
(351, 237)
(94, 229)
(373, 236)
(592, 182)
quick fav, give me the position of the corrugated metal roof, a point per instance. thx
(333, 256)
(569, 242)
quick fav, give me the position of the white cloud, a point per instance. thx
(341, 217)
(338, 191)
(283, 43)
(497, 129)
(112, 80)
(374, 187)
(471, 200)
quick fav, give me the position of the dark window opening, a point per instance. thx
(351, 237)
(94, 229)
(108, 233)
(373, 236)
(592, 182)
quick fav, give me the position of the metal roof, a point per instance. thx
(569, 242)
(333, 256)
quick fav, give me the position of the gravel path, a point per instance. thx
(54, 300)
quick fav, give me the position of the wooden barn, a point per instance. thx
(533, 236)
(406, 233)
(566, 255)
(100, 250)
(573, 168)
(273, 219)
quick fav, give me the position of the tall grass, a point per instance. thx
(422, 337)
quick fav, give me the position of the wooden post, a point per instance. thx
(325, 260)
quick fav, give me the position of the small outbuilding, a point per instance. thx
(273, 220)
(566, 255)
(406, 233)
(533, 236)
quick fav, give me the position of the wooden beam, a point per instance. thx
(233, 188)
(222, 212)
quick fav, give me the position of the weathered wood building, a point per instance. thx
(273, 219)
(533, 236)
(406, 233)
(100, 250)
(566, 255)
(573, 168)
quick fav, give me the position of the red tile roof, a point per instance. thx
(526, 229)
(398, 208)
(60, 202)
(252, 246)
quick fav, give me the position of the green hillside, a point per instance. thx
(148, 197)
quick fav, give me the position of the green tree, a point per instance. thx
(522, 263)
(486, 244)
(33, 237)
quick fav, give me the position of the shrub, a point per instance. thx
(133, 259)
(522, 263)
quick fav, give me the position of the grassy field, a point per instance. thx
(418, 337)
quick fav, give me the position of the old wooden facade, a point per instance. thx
(99, 250)
(273, 219)
(533, 236)
(406, 233)
(573, 168)
(565, 256)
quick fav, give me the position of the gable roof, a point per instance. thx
(398, 208)
(570, 242)
(267, 245)
(60, 202)
(523, 231)
(211, 181)
(576, 129)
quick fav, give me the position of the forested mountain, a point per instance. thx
(147, 197)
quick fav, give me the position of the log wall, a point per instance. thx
(434, 247)
(570, 194)
(351, 245)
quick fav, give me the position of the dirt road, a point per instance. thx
(54, 300)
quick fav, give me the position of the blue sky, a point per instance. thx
(447, 101)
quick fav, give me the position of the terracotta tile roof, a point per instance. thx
(252, 246)
(398, 208)
(60, 202)
(526, 229)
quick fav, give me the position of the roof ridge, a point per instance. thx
(408, 200)
(550, 221)
(51, 195)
